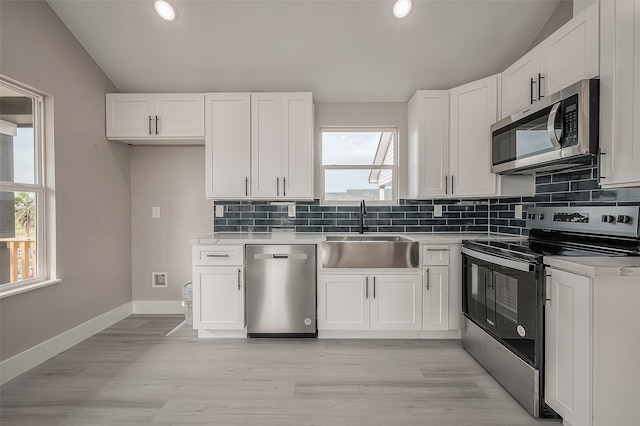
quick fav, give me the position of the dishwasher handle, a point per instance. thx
(293, 256)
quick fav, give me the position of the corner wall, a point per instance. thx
(92, 181)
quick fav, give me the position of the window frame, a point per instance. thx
(393, 168)
(44, 271)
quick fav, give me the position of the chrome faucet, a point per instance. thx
(363, 213)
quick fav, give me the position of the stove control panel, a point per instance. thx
(606, 220)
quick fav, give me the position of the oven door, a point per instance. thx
(504, 297)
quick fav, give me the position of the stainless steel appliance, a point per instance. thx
(503, 292)
(281, 290)
(554, 133)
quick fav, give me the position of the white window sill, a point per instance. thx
(17, 288)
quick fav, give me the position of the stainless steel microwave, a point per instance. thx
(556, 132)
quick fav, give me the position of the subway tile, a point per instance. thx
(405, 222)
(308, 229)
(543, 178)
(347, 222)
(584, 185)
(322, 208)
(336, 229)
(332, 215)
(446, 229)
(553, 187)
(418, 229)
(571, 196)
(572, 175)
(433, 222)
(460, 222)
(390, 228)
(390, 215)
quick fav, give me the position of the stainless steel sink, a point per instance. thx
(369, 251)
(367, 238)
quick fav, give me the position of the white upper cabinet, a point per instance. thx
(620, 93)
(520, 83)
(147, 118)
(282, 145)
(567, 56)
(572, 53)
(228, 145)
(474, 108)
(259, 146)
(428, 119)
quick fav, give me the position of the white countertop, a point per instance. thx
(317, 238)
(597, 266)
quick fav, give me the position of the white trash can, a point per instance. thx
(187, 302)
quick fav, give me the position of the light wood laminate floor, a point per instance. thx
(133, 374)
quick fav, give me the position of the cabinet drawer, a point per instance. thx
(217, 255)
(435, 255)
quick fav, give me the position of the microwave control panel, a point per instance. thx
(570, 121)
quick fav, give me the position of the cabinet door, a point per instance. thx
(266, 145)
(518, 93)
(297, 146)
(428, 143)
(228, 145)
(620, 93)
(396, 302)
(568, 314)
(435, 299)
(130, 115)
(179, 115)
(218, 298)
(572, 53)
(343, 302)
(474, 108)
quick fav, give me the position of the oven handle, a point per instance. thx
(497, 260)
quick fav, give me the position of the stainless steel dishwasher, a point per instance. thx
(281, 290)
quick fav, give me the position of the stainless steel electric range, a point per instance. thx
(503, 289)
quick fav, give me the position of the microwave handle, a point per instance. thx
(551, 130)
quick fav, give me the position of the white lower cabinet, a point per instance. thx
(218, 287)
(218, 295)
(435, 299)
(568, 317)
(369, 302)
(592, 342)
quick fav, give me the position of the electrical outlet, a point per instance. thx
(437, 210)
(220, 211)
(518, 212)
(155, 212)
(292, 210)
(159, 279)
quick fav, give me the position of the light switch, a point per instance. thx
(518, 213)
(219, 211)
(292, 211)
(155, 212)
(437, 210)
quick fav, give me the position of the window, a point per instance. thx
(23, 195)
(359, 164)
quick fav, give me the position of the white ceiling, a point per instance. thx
(341, 50)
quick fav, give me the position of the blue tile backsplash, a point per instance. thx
(575, 187)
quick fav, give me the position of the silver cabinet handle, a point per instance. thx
(428, 279)
(246, 186)
(438, 249)
(446, 185)
(366, 291)
(547, 289)
(157, 119)
(277, 187)
(239, 279)
(284, 186)
(217, 255)
(150, 125)
(374, 287)
(452, 183)
(600, 154)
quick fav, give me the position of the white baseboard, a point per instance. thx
(158, 307)
(25, 361)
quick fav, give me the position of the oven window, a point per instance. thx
(507, 297)
(505, 302)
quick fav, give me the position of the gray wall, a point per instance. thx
(92, 181)
(171, 178)
(563, 14)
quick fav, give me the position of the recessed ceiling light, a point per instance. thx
(402, 8)
(165, 10)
